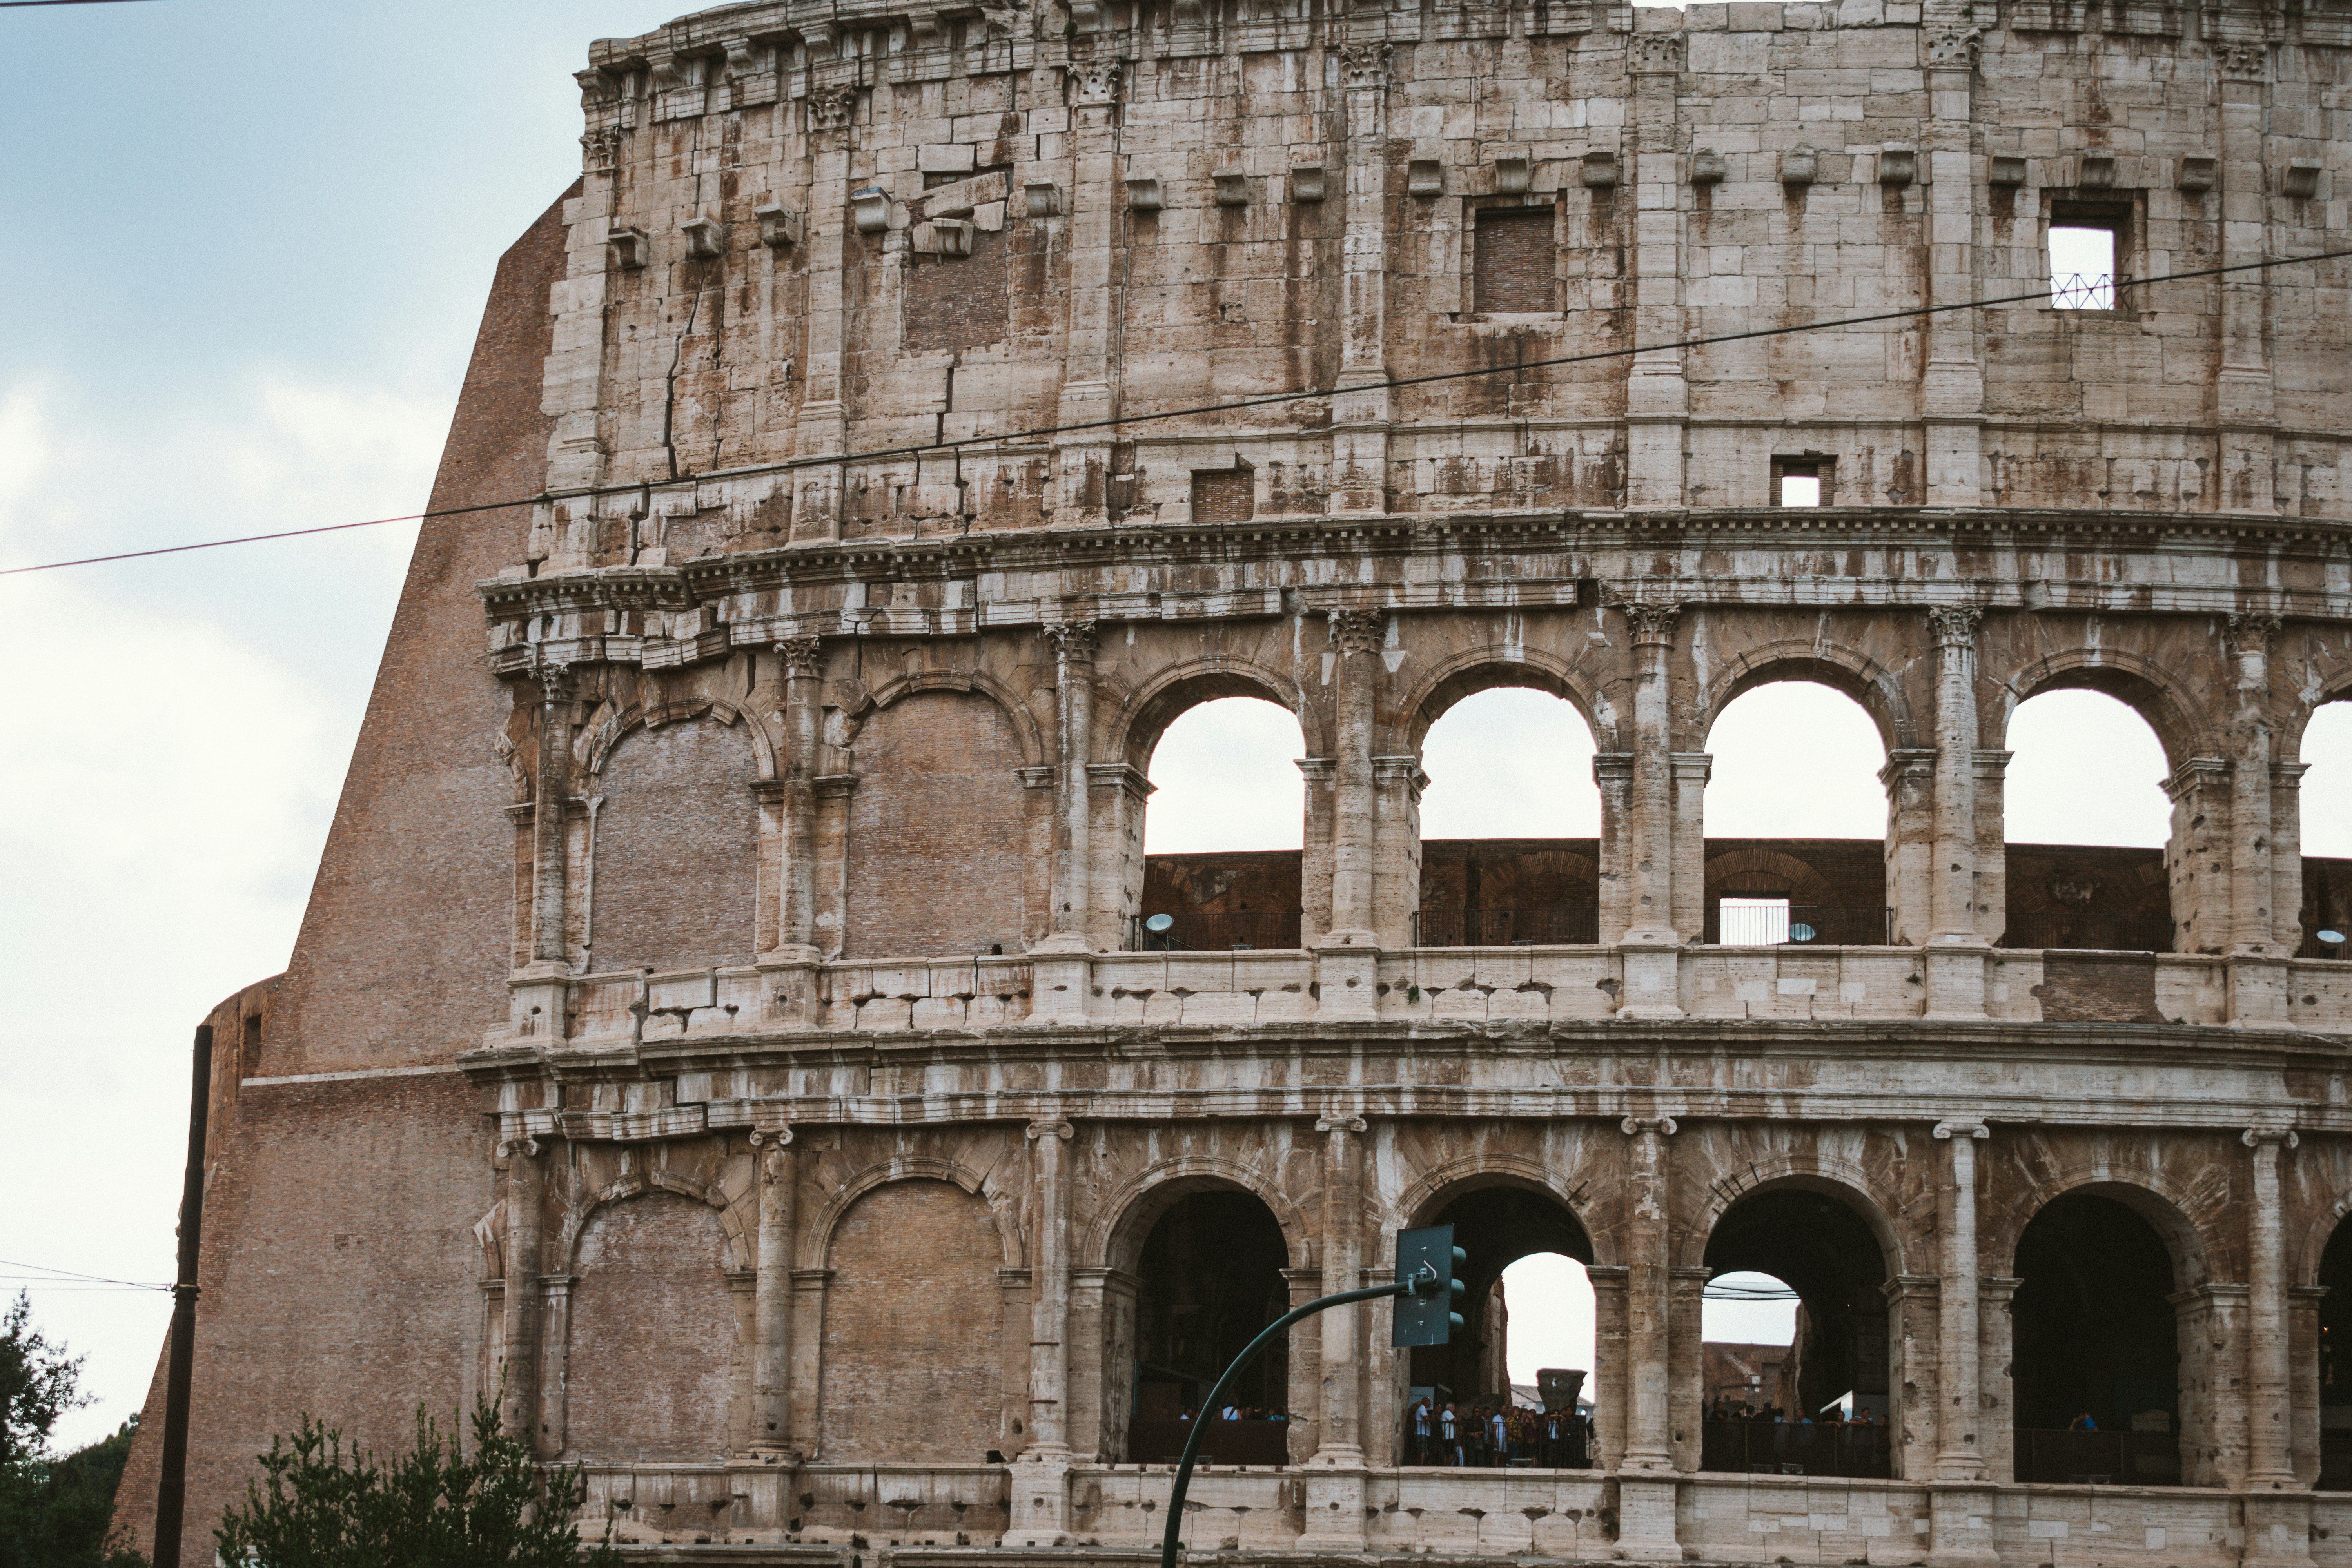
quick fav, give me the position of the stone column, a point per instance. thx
(552, 790)
(1651, 983)
(1090, 358)
(1612, 772)
(1686, 1364)
(2243, 389)
(2198, 857)
(1657, 398)
(1687, 901)
(1302, 1388)
(1956, 951)
(2251, 929)
(1913, 1302)
(1959, 1455)
(2270, 1456)
(806, 1354)
(771, 1308)
(554, 1364)
(1952, 394)
(801, 662)
(517, 1395)
(1611, 1353)
(1359, 401)
(832, 793)
(2211, 1329)
(1074, 689)
(1358, 634)
(1396, 783)
(823, 426)
(2302, 1394)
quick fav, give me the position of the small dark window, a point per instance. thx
(1515, 262)
(1224, 495)
(1801, 482)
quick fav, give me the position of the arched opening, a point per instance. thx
(1510, 823)
(1824, 1405)
(1224, 830)
(2086, 823)
(2335, 1357)
(1208, 1279)
(2096, 1348)
(1798, 840)
(1497, 1365)
(2326, 798)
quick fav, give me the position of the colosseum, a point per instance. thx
(726, 1026)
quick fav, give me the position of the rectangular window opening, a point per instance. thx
(2082, 263)
(1513, 261)
(1800, 482)
(1752, 923)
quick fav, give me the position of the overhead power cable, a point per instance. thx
(1230, 406)
(69, 1279)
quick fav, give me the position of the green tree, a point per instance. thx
(325, 1504)
(55, 1511)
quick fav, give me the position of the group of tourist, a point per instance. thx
(1488, 1436)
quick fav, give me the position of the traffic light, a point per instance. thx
(1429, 1280)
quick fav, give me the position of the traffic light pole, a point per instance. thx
(1169, 1543)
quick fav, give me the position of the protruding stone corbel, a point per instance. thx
(1707, 167)
(628, 247)
(1042, 198)
(1600, 171)
(1143, 194)
(1424, 177)
(2005, 169)
(1233, 188)
(706, 238)
(780, 226)
(1799, 166)
(946, 236)
(1306, 182)
(869, 209)
(1898, 165)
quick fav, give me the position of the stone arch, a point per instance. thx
(610, 725)
(2173, 1212)
(2183, 725)
(816, 1234)
(1739, 873)
(2304, 1265)
(1830, 1175)
(1490, 666)
(661, 1179)
(1124, 1219)
(969, 682)
(2309, 697)
(1439, 1185)
(1823, 662)
(1159, 701)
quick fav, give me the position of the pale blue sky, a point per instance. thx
(246, 246)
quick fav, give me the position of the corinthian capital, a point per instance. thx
(2253, 633)
(1954, 626)
(1358, 631)
(801, 656)
(1074, 641)
(1651, 623)
(1365, 65)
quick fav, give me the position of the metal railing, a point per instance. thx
(2099, 1458)
(1796, 1448)
(1831, 925)
(2083, 291)
(2314, 948)
(1566, 925)
(2113, 933)
(1208, 932)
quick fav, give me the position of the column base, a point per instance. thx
(1956, 978)
(1652, 965)
(1039, 1484)
(1060, 980)
(1645, 1519)
(2258, 989)
(1959, 1526)
(1347, 975)
(2278, 1529)
(1335, 1505)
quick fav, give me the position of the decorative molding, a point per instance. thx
(1976, 1130)
(831, 107)
(801, 656)
(1357, 631)
(1651, 623)
(1340, 1124)
(2253, 633)
(1954, 626)
(1656, 54)
(1094, 82)
(2254, 1137)
(1954, 48)
(1074, 642)
(1364, 68)
(1061, 1129)
(2242, 62)
(1664, 1126)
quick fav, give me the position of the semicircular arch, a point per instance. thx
(816, 1238)
(636, 1183)
(1153, 704)
(1492, 665)
(1840, 1179)
(964, 682)
(604, 735)
(2183, 725)
(1116, 1237)
(1823, 662)
(1434, 1189)
(2178, 1217)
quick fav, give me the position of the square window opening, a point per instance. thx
(2088, 245)
(1800, 482)
(1752, 921)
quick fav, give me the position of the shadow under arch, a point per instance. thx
(1134, 731)
(2183, 725)
(2327, 1264)
(1493, 667)
(817, 1238)
(1114, 1239)
(2171, 1212)
(1821, 662)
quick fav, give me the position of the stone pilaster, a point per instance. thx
(1952, 394)
(802, 662)
(1612, 774)
(1657, 398)
(1342, 1327)
(1648, 1308)
(824, 426)
(2244, 399)
(1357, 634)
(2270, 1456)
(1651, 629)
(2251, 928)
(1360, 398)
(1040, 1490)
(1959, 1453)
(1612, 1352)
(1091, 370)
(1073, 702)
(1686, 1363)
(552, 789)
(1908, 777)
(518, 1394)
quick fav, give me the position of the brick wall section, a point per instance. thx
(959, 302)
(1221, 883)
(1516, 262)
(2051, 877)
(939, 834)
(2098, 988)
(402, 958)
(1224, 495)
(913, 1328)
(677, 850)
(1510, 873)
(653, 1334)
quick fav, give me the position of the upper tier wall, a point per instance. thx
(803, 235)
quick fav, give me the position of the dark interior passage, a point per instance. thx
(2095, 1338)
(2336, 1362)
(1210, 1279)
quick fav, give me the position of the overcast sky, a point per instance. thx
(246, 246)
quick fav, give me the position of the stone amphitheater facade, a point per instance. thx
(717, 1027)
